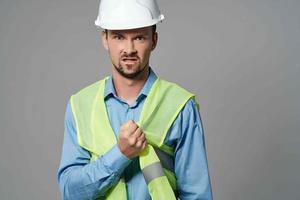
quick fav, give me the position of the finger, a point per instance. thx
(139, 144)
(142, 137)
(137, 141)
(144, 144)
(131, 126)
(127, 124)
(132, 141)
(128, 128)
(137, 133)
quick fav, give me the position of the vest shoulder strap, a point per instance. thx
(162, 106)
(83, 109)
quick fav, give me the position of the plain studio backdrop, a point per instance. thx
(241, 59)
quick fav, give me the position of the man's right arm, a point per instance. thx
(80, 178)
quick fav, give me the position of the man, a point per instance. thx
(133, 135)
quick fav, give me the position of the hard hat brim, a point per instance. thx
(110, 25)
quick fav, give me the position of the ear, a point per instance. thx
(104, 35)
(154, 40)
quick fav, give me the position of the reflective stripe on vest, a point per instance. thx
(153, 171)
(94, 133)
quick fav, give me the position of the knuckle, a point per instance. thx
(133, 125)
(141, 138)
(132, 141)
(127, 124)
(130, 125)
(139, 144)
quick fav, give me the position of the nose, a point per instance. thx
(129, 47)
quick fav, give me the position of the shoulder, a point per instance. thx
(190, 111)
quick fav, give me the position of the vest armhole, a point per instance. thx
(75, 119)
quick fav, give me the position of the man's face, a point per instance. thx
(130, 50)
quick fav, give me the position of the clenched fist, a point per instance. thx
(131, 139)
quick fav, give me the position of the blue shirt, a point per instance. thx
(79, 178)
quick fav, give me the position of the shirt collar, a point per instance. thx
(110, 89)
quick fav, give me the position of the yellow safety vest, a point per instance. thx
(95, 134)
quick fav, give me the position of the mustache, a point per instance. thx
(132, 55)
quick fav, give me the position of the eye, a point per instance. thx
(118, 37)
(140, 38)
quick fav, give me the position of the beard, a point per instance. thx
(122, 72)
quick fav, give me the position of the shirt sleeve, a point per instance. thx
(80, 178)
(191, 167)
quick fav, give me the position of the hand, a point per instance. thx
(132, 140)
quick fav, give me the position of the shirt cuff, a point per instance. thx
(116, 160)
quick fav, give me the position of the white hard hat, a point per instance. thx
(128, 14)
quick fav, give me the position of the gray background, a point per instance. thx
(241, 58)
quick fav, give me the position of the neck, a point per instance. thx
(129, 89)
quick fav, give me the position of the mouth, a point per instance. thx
(129, 60)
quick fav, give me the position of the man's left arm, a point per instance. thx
(191, 167)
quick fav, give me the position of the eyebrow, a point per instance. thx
(136, 35)
(115, 33)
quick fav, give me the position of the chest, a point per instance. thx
(119, 112)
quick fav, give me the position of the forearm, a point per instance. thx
(80, 178)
